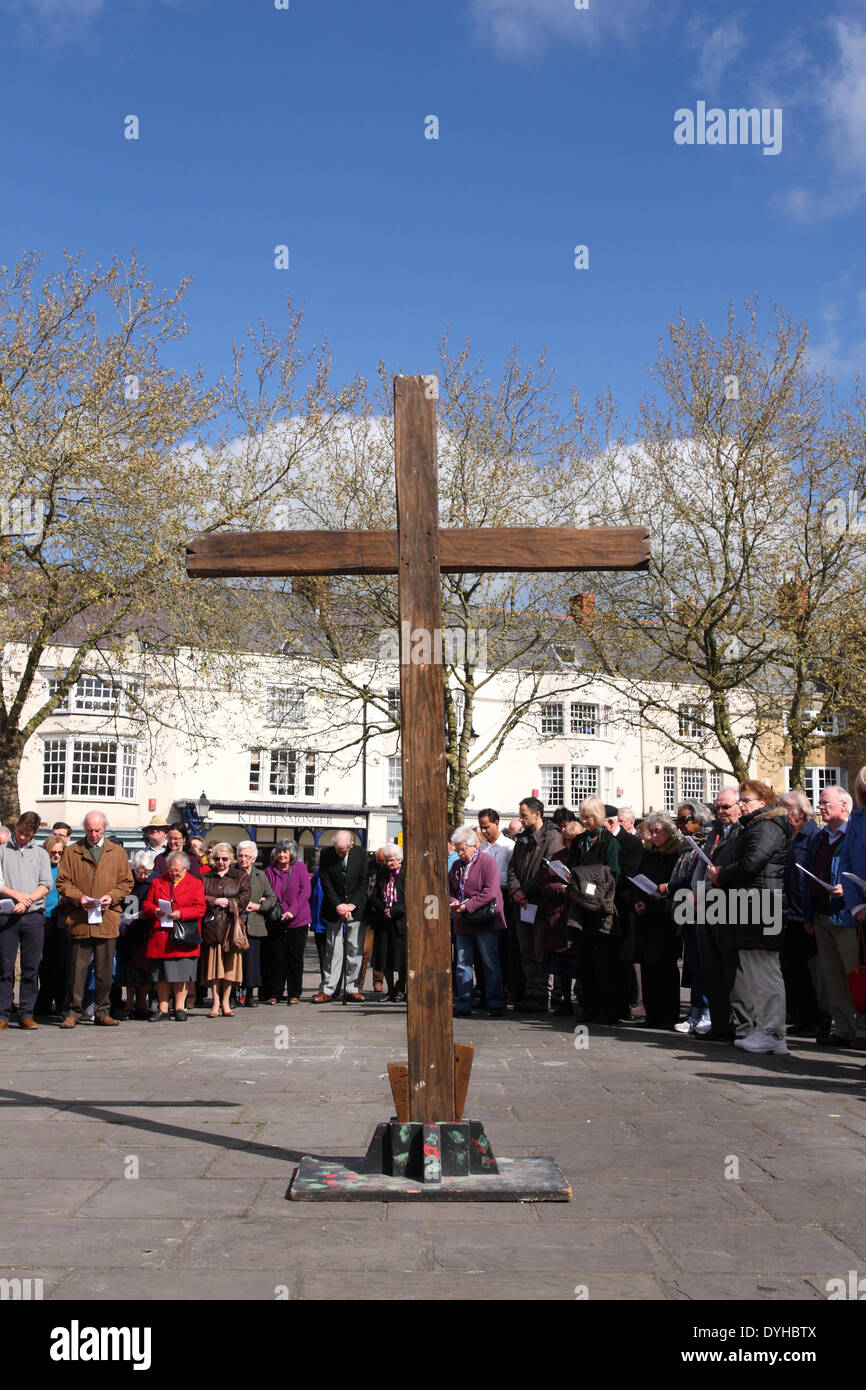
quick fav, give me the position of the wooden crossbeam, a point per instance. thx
(224, 554)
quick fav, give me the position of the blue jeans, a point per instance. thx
(487, 946)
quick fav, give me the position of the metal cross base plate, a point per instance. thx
(449, 1162)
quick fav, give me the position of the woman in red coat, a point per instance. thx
(174, 965)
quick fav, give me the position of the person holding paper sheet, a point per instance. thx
(526, 873)
(179, 897)
(694, 820)
(597, 929)
(833, 923)
(93, 879)
(25, 870)
(806, 994)
(754, 880)
(657, 942)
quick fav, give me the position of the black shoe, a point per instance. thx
(180, 1015)
(462, 1013)
(158, 1017)
(252, 1004)
(495, 1013)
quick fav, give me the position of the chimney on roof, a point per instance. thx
(582, 607)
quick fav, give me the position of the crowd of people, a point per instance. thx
(755, 906)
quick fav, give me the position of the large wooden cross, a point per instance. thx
(418, 552)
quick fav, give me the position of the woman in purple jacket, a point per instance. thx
(287, 937)
(477, 915)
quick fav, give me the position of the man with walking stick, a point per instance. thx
(343, 872)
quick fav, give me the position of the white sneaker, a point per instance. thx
(703, 1026)
(687, 1026)
(764, 1042)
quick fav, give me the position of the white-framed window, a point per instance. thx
(395, 780)
(552, 721)
(669, 788)
(54, 767)
(285, 705)
(585, 720)
(256, 769)
(715, 785)
(584, 782)
(815, 779)
(552, 782)
(292, 774)
(98, 768)
(689, 721)
(826, 725)
(565, 651)
(394, 703)
(692, 784)
(98, 695)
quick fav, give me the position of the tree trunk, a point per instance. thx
(11, 751)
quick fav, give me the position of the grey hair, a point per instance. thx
(393, 852)
(661, 818)
(796, 800)
(290, 845)
(464, 836)
(247, 844)
(177, 854)
(96, 812)
(626, 811)
(143, 859)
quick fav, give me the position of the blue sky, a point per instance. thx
(306, 127)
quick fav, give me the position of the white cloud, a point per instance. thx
(830, 353)
(61, 19)
(716, 46)
(525, 28)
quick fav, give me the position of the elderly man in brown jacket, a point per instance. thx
(93, 879)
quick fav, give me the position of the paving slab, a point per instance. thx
(216, 1116)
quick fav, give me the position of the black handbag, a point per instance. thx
(186, 933)
(481, 917)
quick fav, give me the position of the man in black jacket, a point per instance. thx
(526, 871)
(717, 940)
(343, 874)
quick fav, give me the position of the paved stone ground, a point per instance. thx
(215, 1116)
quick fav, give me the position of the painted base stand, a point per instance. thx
(449, 1162)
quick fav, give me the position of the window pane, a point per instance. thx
(54, 767)
(551, 719)
(93, 696)
(255, 769)
(715, 785)
(584, 720)
(94, 768)
(285, 705)
(130, 769)
(283, 772)
(670, 788)
(692, 784)
(552, 784)
(310, 775)
(584, 783)
(395, 779)
(689, 726)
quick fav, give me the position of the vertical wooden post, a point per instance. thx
(425, 824)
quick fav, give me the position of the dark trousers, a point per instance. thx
(253, 964)
(661, 993)
(798, 948)
(52, 970)
(284, 962)
(78, 962)
(598, 970)
(26, 930)
(321, 940)
(719, 960)
(515, 984)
